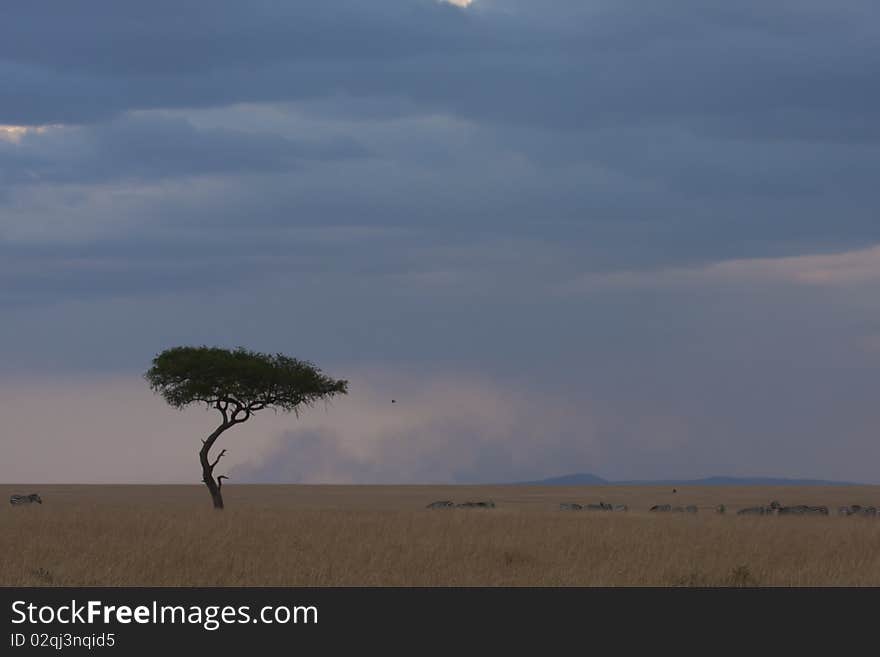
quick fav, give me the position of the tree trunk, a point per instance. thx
(214, 489)
(208, 467)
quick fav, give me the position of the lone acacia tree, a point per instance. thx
(237, 383)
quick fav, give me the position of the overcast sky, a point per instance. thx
(635, 239)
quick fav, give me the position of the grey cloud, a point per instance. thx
(496, 431)
(673, 134)
(425, 457)
(155, 148)
(496, 63)
(186, 54)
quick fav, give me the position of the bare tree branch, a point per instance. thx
(237, 420)
(222, 406)
(217, 460)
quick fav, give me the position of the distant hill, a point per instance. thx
(586, 479)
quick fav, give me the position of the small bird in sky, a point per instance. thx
(393, 401)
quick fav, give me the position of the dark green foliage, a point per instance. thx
(238, 379)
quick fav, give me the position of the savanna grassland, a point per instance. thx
(383, 535)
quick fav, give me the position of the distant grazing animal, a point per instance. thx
(25, 499)
(601, 506)
(621, 507)
(661, 507)
(691, 508)
(775, 508)
(442, 504)
(476, 505)
(720, 508)
(752, 511)
(857, 510)
(803, 510)
(570, 506)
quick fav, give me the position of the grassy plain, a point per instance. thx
(383, 535)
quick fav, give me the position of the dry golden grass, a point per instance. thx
(383, 535)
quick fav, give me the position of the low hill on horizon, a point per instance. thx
(587, 479)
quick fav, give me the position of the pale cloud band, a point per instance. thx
(442, 428)
(854, 267)
(15, 133)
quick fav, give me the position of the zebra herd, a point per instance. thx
(858, 510)
(668, 508)
(449, 504)
(774, 508)
(601, 506)
(15, 500)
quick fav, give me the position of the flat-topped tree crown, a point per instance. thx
(238, 383)
(240, 378)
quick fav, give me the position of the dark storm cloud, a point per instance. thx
(761, 115)
(621, 135)
(560, 64)
(88, 62)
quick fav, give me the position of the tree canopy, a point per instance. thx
(242, 379)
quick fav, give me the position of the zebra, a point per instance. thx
(476, 505)
(803, 510)
(857, 510)
(442, 504)
(25, 499)
(753, 511)
(570, 506)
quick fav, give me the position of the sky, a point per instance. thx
(564, 235)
